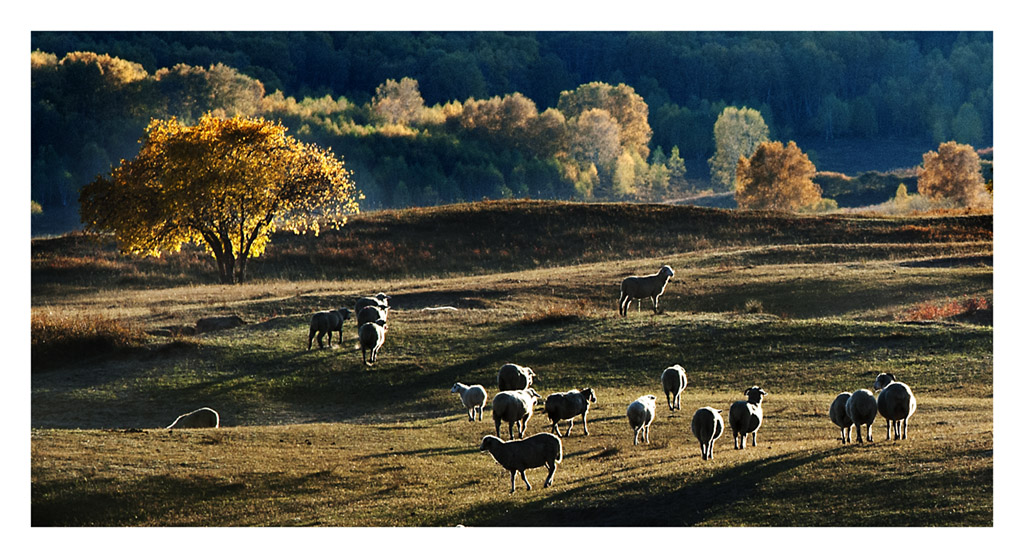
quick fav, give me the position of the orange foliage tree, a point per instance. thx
(953, 173)
(225, 183)
(776, 177)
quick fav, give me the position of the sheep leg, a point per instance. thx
(551, 473)
(497, 428)
(309, 345)
(513, 475)
(330, 337)
(320, 339)
(523, 474)
(887, 424)
(522, 427)
(655, 299)
(735, 440)
(870, 438)
(569, 431)
(859, 439)
(753, 439)
(511, 433)
(585, 431)
(636, 435)
(711, 449)
(903, 431)
(364, 355)
(471, 413)
(623, 303)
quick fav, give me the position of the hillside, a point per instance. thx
(803, 307)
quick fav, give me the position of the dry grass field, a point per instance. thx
(315, 438)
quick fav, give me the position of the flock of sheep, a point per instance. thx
(514, 403)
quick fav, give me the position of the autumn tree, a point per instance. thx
(738, 132)
(398, 102)
(621, 102)
(225, 183)
(777, 178)
(953, 173)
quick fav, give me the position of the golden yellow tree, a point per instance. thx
(225, 183)
(953, 173)
(776, 177)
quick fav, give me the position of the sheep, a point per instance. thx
(837, 412)
(371, 337)
(474, 398)
(540, 450)
(895, 403)
(673, 380)
(326, 322)
(641, 414)
(568, 405)
(514, 407)
(861, 408)
(200, 418)
(707, 425)
(371, 314)
(639, 288)
(380, 299)
(745, 417)
(512, 377)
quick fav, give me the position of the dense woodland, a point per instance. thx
(428, 118)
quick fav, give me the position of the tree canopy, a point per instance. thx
(953, 173)
(738, 132)
(777, 178)
(225, 183)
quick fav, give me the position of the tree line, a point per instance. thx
(426, 118)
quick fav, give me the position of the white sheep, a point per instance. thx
(896, 403)
(673, 380)
(861, 408)
(746, 417)
(200, 418)
(567, 406)
(540, 450)
(474, 398)
(371, 338)
(641, 414)
(639, 288)
(371, 314)
(837, 412)
(380, 299)
(514, 407)
(326, 322)
(513, 377)
(707, 425)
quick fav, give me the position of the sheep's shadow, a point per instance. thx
(634, 504)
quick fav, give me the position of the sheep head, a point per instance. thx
(533, 393)
(754, 395)
(588, 395)
(490, 442)
(666, 270)
(883, 380)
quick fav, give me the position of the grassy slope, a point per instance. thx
(304, 444)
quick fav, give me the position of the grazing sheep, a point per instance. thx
(539, 450)
(641, 414)
(200, 418)
(861, 408)
(512, 377)
(371, 314)
(568, 405)
(474, 398)
(639, 288)
(673, 380)
(707, 425)
(514, 407)
(380, 300)
(895, 403)
(371, 337)
(745, 417)
(326, 322)
(837, 412)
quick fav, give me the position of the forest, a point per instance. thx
(425, 118)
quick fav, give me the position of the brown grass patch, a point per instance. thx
(58, 338)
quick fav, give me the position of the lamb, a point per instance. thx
(641, 414)
(861, 408)
(371, 338)
(837, 412)
(326, 322)
(707, 425)
(639, 288)
(474, 398)
(380, 299)
(895, 403)
(513, 377)
(540, 450)
(745, 417)
(200, 418)
(514, 407)
(371, 314)
(568, 405)
(673, 380)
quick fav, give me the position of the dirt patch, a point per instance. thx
(984, 260)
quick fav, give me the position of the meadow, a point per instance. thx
(804, 307)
